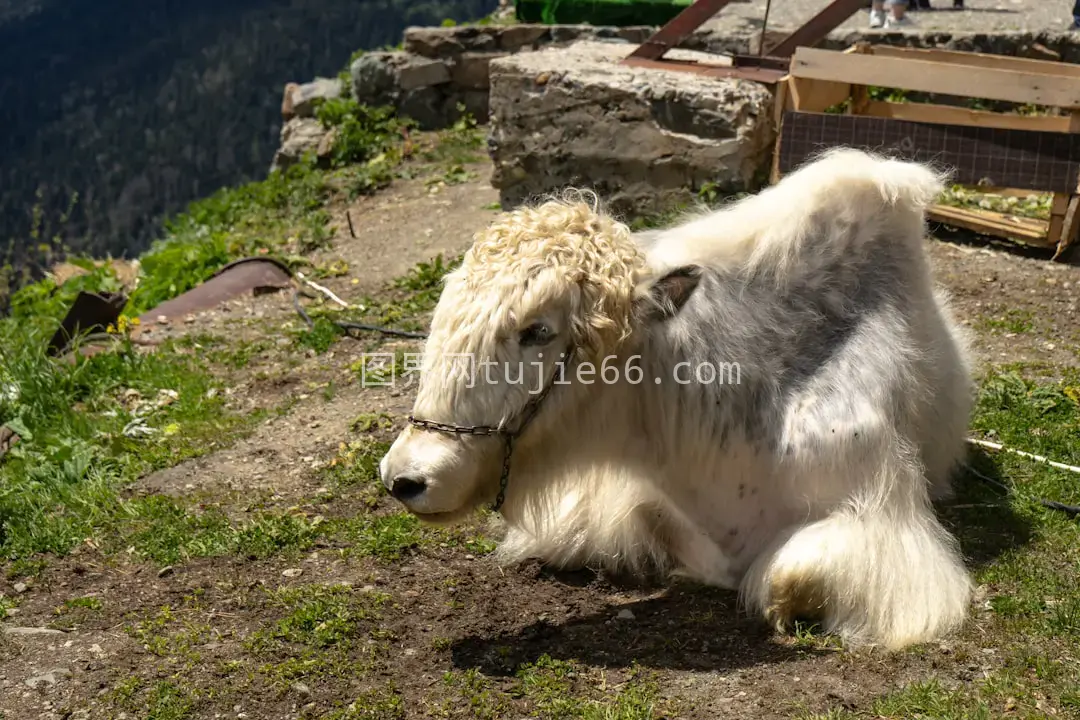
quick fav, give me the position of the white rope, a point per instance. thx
(1038, 458)
(324, 290)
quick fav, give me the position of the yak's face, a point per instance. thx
(541, 286)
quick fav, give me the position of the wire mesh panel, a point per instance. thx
(1023, 159)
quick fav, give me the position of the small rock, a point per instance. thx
(31, 631)
(302, 689)
(49, 678)
(165, 571)
(20, 587)
(162, 320)
(625, 615)
(292, 572)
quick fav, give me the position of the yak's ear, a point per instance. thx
(663, 298)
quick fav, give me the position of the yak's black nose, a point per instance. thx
(407, 487)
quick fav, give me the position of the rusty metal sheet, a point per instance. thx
(93, 313)
(818, 27)
(678, 29)
(762, 61)
(90, 313)
(249, 275)
(763, 68)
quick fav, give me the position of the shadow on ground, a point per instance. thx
(980, 515)
(687, 627)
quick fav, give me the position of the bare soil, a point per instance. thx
(451, 610)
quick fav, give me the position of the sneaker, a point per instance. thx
(891, 22)
(877, 18)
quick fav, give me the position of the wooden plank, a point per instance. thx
(981, 60)
(782, 103)
(817, 95)
(933, 77)
(1069, 230)
(945, 115)
(818, 27)
(1058, 206)
(1028, 230)
(1039, 161)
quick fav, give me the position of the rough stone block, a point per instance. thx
(425, 105)
(300, 136)
(420, 72)
(300, 100)
(374, 77)
(516, 37)
(439, 43)
(470, 70)
(644, 139)
(476, 103)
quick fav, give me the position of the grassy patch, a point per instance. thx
(550, 688)
(1010, 320)
(461, 144)
(92, 425)
(76, 611)
(325, 631)
(357, 466)
(162, 700)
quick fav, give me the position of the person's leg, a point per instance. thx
(877, 13)
(1076, 15)
(896, 15)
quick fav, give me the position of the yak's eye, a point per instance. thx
(535, 334)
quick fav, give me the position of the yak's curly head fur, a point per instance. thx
(566, 249)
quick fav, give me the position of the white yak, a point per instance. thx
(765, 397)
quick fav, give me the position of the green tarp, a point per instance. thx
(599, 12)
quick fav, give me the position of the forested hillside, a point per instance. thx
(117, 112)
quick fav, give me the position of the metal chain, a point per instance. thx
(528, 412)
(456, 429)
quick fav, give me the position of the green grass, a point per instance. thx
(557, 690)
(323, 631)
(1010, 320)
(60, 485)
(91, 427)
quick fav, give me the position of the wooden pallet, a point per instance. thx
(990, 152)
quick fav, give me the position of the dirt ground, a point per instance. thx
(455, 625)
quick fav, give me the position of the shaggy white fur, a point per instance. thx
(802, 476)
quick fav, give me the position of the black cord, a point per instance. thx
(1071, 510)
(347, 326)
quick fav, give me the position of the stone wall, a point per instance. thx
(642, 138)
(442, 71)
(645, 140)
